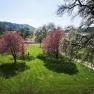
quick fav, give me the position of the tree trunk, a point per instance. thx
(13, 52)
(57, 54)
(14, 57)
(40, 44)
(23, 57)
(23, 53)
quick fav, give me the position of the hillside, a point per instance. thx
(8, 26)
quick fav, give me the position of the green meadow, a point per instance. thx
(40, 74)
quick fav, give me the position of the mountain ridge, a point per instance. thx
(14, 26)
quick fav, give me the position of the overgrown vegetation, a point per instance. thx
(79, 46)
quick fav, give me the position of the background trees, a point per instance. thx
(11, 42)
(41, 32)
(50, 44)
(26, 32)
(2, 29)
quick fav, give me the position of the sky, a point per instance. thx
(34, 12)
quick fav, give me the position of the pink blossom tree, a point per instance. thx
(51, 43)
(11, 42)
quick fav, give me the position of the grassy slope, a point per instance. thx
(38, 79)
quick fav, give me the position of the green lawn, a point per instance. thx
(37, 75)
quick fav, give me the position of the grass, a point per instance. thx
(40, 74)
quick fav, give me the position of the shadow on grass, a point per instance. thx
(8, 70)
(62, 65)
(26, 58)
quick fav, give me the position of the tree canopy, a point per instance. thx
(50, 44)
(84, 8)
(11, 42)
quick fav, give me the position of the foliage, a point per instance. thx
(11, 42)
(89, 45)
(41, 32)
(2, 29)
(50, 44)
(80, 45)
(25, 32)
(85, 10)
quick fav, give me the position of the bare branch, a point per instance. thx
(85, 8)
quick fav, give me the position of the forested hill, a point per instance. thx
(8, 26)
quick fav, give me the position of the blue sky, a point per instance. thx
(34, 12)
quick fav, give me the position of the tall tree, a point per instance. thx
(85, 9)
(40, 34)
